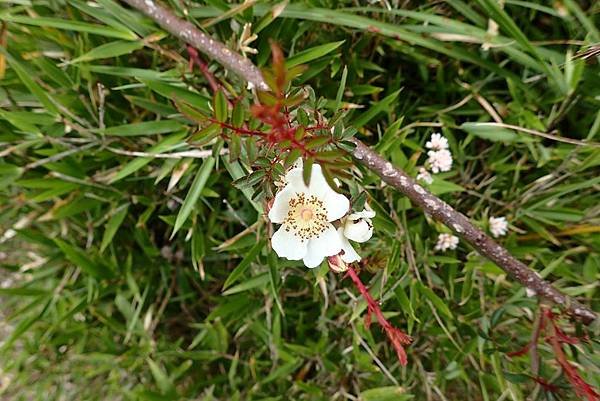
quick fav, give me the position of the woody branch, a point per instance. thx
(393, 176)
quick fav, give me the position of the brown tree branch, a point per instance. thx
(187, 32)
(393, 176)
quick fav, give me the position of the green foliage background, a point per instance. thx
(100, 301)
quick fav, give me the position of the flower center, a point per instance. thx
(307, 216)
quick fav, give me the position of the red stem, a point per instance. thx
(195, 59)
(395, 335)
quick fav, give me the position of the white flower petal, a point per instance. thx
(287, 245)
(281, 205)
(367, 213)
(318, 184)
(359, 231)
(446, 241)
(294, 179)
(349, 255)
(498, 226)
(327, 244)
(337, 206)
(437, 142)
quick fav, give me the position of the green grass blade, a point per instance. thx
(144, 128)
(71, 25)
(109, 50)
(308, 55)
(194, 193)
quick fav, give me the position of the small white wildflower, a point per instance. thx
(498, 226)
(305, 214)
(250, 86)
(424, 176)
(445, 242)
(437, 142)
(530, 293)
(439, 160)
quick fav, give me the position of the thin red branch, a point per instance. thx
(395, 335)
(556, 338)
(195, 59)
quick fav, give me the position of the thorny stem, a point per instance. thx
(391, 175)
(395, 335)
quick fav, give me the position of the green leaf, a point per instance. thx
(136, 164)
(311, 54)
(139, 73)
(19, 121)
(374, 110)
(194, 193)
(220, 106)
(437, 302)
(144, 128)
(237, 115)
(490, 131)
(439, 187)
(26, 77)
(72, 25)
(160, 376)
(109, 50)
(23, 291)
(80, 259)
(341, 89)
(177, 93)
(255, 282)
(9, 173)
(389, 393)
(307, 170)
(241, 268)
(113, 225)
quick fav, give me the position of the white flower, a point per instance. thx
(305, 214)
(358, 228)
(424, 176)
(437, 142)
(445, 242)
(439, 160)
(498, 226)
(530, 293)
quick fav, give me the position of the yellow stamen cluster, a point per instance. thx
(306, 217)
